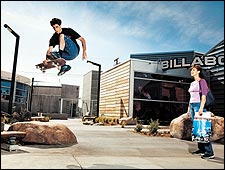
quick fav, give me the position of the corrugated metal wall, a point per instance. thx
(46, 104)
(217, 79)
(46, 99)
(114, 91)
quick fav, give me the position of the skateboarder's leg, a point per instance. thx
(67, 49)
(64, 69)
(61, 42)
(54, 55)
(70, 50)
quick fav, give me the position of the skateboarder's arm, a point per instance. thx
(83, 42)
(49, 50)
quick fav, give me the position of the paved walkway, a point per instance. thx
(111, 147)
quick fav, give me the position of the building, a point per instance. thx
(155, 85)
(89, 96)
(21, 91)
(56, 99)
(139, 88)
(115, 91)
(46, 99)
(216, 70)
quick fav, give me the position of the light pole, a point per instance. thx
(31, 94)
(99, 75)
(11, 97)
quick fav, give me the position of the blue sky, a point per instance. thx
(112, 29)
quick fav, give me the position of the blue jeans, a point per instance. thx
(204, 147)
(70, 51)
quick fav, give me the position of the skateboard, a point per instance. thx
(201, 130)
(50, 64)
(9, 139)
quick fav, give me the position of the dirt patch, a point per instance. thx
(158, 134)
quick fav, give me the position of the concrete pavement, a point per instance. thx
(111, 147)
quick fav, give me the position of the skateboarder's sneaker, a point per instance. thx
(207, 155)
(64, 69)
(198, 152)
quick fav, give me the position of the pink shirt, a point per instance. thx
(194, 90)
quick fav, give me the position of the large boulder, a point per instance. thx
(181, 128)
(45, 133)
(218, 129)
(127, 121)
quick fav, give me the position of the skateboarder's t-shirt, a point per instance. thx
(194, 90)
(73, 35)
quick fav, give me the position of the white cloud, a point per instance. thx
(111, 28)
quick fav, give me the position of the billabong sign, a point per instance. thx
(206, 61)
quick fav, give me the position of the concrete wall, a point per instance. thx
(55, 99)
(89, 96)
(46, 99)
(70, 92)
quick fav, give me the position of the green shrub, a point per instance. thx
(153, 126)
(138, 127)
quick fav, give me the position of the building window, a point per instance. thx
(5, 89)
(159, 97)
(21, 92)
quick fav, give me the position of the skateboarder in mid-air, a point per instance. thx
(68, 46)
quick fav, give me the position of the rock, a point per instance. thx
(45, 133)
(181, 127)
(218, 129)
(127, 121)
